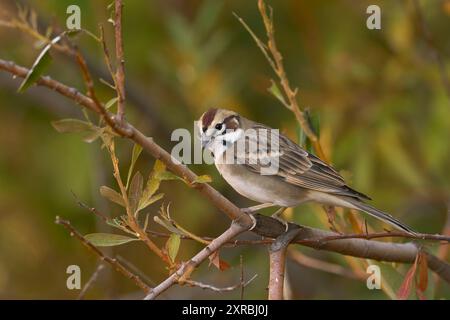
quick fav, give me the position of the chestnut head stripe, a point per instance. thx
(208, 117)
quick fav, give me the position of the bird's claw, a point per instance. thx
(284, 222)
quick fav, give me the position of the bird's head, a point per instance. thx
(219, 127)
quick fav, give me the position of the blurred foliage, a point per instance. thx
(384, 121)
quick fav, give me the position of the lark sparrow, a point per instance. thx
(299, 176)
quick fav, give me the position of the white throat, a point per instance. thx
(223, 142)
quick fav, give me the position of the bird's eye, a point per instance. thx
(219, 126)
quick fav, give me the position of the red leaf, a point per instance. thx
(405, 288)
(423, 273)
(420, 294)
(217, 262)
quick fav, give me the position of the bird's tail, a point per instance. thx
(386, 217)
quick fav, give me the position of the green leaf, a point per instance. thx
(135, 192)
(159, 166)
(202, 179)
(108, 239)
(111, 102)
(301, 136)
(167, 175)
(144, 203)
(173, 245)
(112, 195)
(313, 119)
(276, 92)
(90, 137)
(166, 224)
(39, 65)
(71, 126)
(89, 131)
(137, 149)
(153, 182)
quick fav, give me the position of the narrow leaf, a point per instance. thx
(111, 102)
(159, 166)
(172, 246)
(90, 137)
(153, 181)
(144, 203)
(39, 65)
(202, 179)
(137, 149)
(423, 273)
(112, 195)
(166, 224)
(72, 126)
(420, 294)
(220, 264)
(405, 288)
(135, 192)
(151, 187)
(167, 175)
(276, 92)
(108, 239)
(89, 132)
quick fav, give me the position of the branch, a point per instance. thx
(216, 289)
(91, 281)
(127, 130)
(361, 248)
(183, 273)
(265, 226)
(120, 72)
(277, 265)
(113, 262)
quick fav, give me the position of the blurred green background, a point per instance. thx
(384, 122)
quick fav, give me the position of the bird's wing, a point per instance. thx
(295, 165)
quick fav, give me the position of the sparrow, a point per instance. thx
(242, 150)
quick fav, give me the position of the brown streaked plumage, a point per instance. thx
(300, 177)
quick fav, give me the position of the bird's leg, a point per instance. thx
(276, 215)
(257, 207)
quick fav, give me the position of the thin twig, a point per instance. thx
(277, 263)
(120, 60)
(107, 57)
(217, 289)
(275, 60)
(113, 262)
(393, 234)
(266, 226)
(184, 272)
(91, 281)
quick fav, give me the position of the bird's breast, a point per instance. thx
(260, 188)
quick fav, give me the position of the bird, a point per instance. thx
(243, 149)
